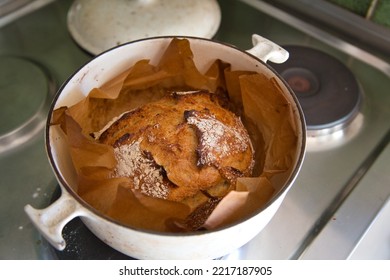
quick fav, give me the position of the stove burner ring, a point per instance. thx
(26, 88)
(326, 89)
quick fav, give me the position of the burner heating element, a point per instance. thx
(327, 90)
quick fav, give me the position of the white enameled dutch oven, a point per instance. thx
(138, 243)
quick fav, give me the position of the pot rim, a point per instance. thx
(84, 204)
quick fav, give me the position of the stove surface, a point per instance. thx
(336, 206)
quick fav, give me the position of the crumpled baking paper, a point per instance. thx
(258, 100)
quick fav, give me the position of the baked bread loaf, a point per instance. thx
(180, 145)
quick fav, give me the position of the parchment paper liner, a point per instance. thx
(259, 100)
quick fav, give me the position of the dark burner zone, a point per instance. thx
(326, 89)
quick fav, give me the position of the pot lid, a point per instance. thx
(98, 25)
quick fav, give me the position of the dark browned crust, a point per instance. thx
(176, 146)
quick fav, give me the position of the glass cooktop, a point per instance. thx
(342, 186)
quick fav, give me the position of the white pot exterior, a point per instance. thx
(202, 245)
(138, 243)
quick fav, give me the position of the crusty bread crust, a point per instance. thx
(181, 145)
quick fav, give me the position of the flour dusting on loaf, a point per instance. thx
(217, 140)
(147, 176)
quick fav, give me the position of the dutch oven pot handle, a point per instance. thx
(51, 220)
(266, 50)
